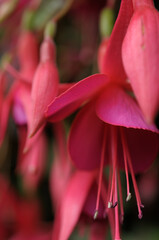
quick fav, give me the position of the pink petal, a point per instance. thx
(86, 137)
(44, 90)
(140, 54)
(112, 61)
(70, 100)
(116, 107)
(143, 146)
(45, 85)
(72, 204)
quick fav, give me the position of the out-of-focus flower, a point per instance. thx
(45, 85)
(140, 53)
(78, 198)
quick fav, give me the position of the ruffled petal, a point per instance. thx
(86, 137)
(116, 107)
(70, 100)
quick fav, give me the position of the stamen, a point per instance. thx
(100, 174)
(117, 231)
(126, 167)
(114, 162)
(121, 199)
(128, 197)
(95, 214)
(110, 204)
(138, 199)
(104, 196)
(115, 204)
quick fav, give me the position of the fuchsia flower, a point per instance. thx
(110, 129)
(140, 54)
(45, 85)
(28, 62)
(95, 140)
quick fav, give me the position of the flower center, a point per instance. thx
(110, 195)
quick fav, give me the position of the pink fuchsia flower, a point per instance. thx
(45, 85)
(132, 145)
(140, 54)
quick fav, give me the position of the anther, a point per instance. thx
(95, 215)
(114, 205)
(110, 204)
(140, 215)
(128, 197)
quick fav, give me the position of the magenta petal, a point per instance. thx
(143, 147)
(116, 107)
(44, 90)
(140, 54)
(112, 61)
(72, 204)
(70, 100)
(86, 137)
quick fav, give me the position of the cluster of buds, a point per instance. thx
(113, 131)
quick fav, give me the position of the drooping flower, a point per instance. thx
(45, 85)
(140, 54)
(132, 146)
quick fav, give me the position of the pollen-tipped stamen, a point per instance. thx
(126, 168)
(138, 199)
(114, 162)
(117, 231)
(100, 174)
(120, 199)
